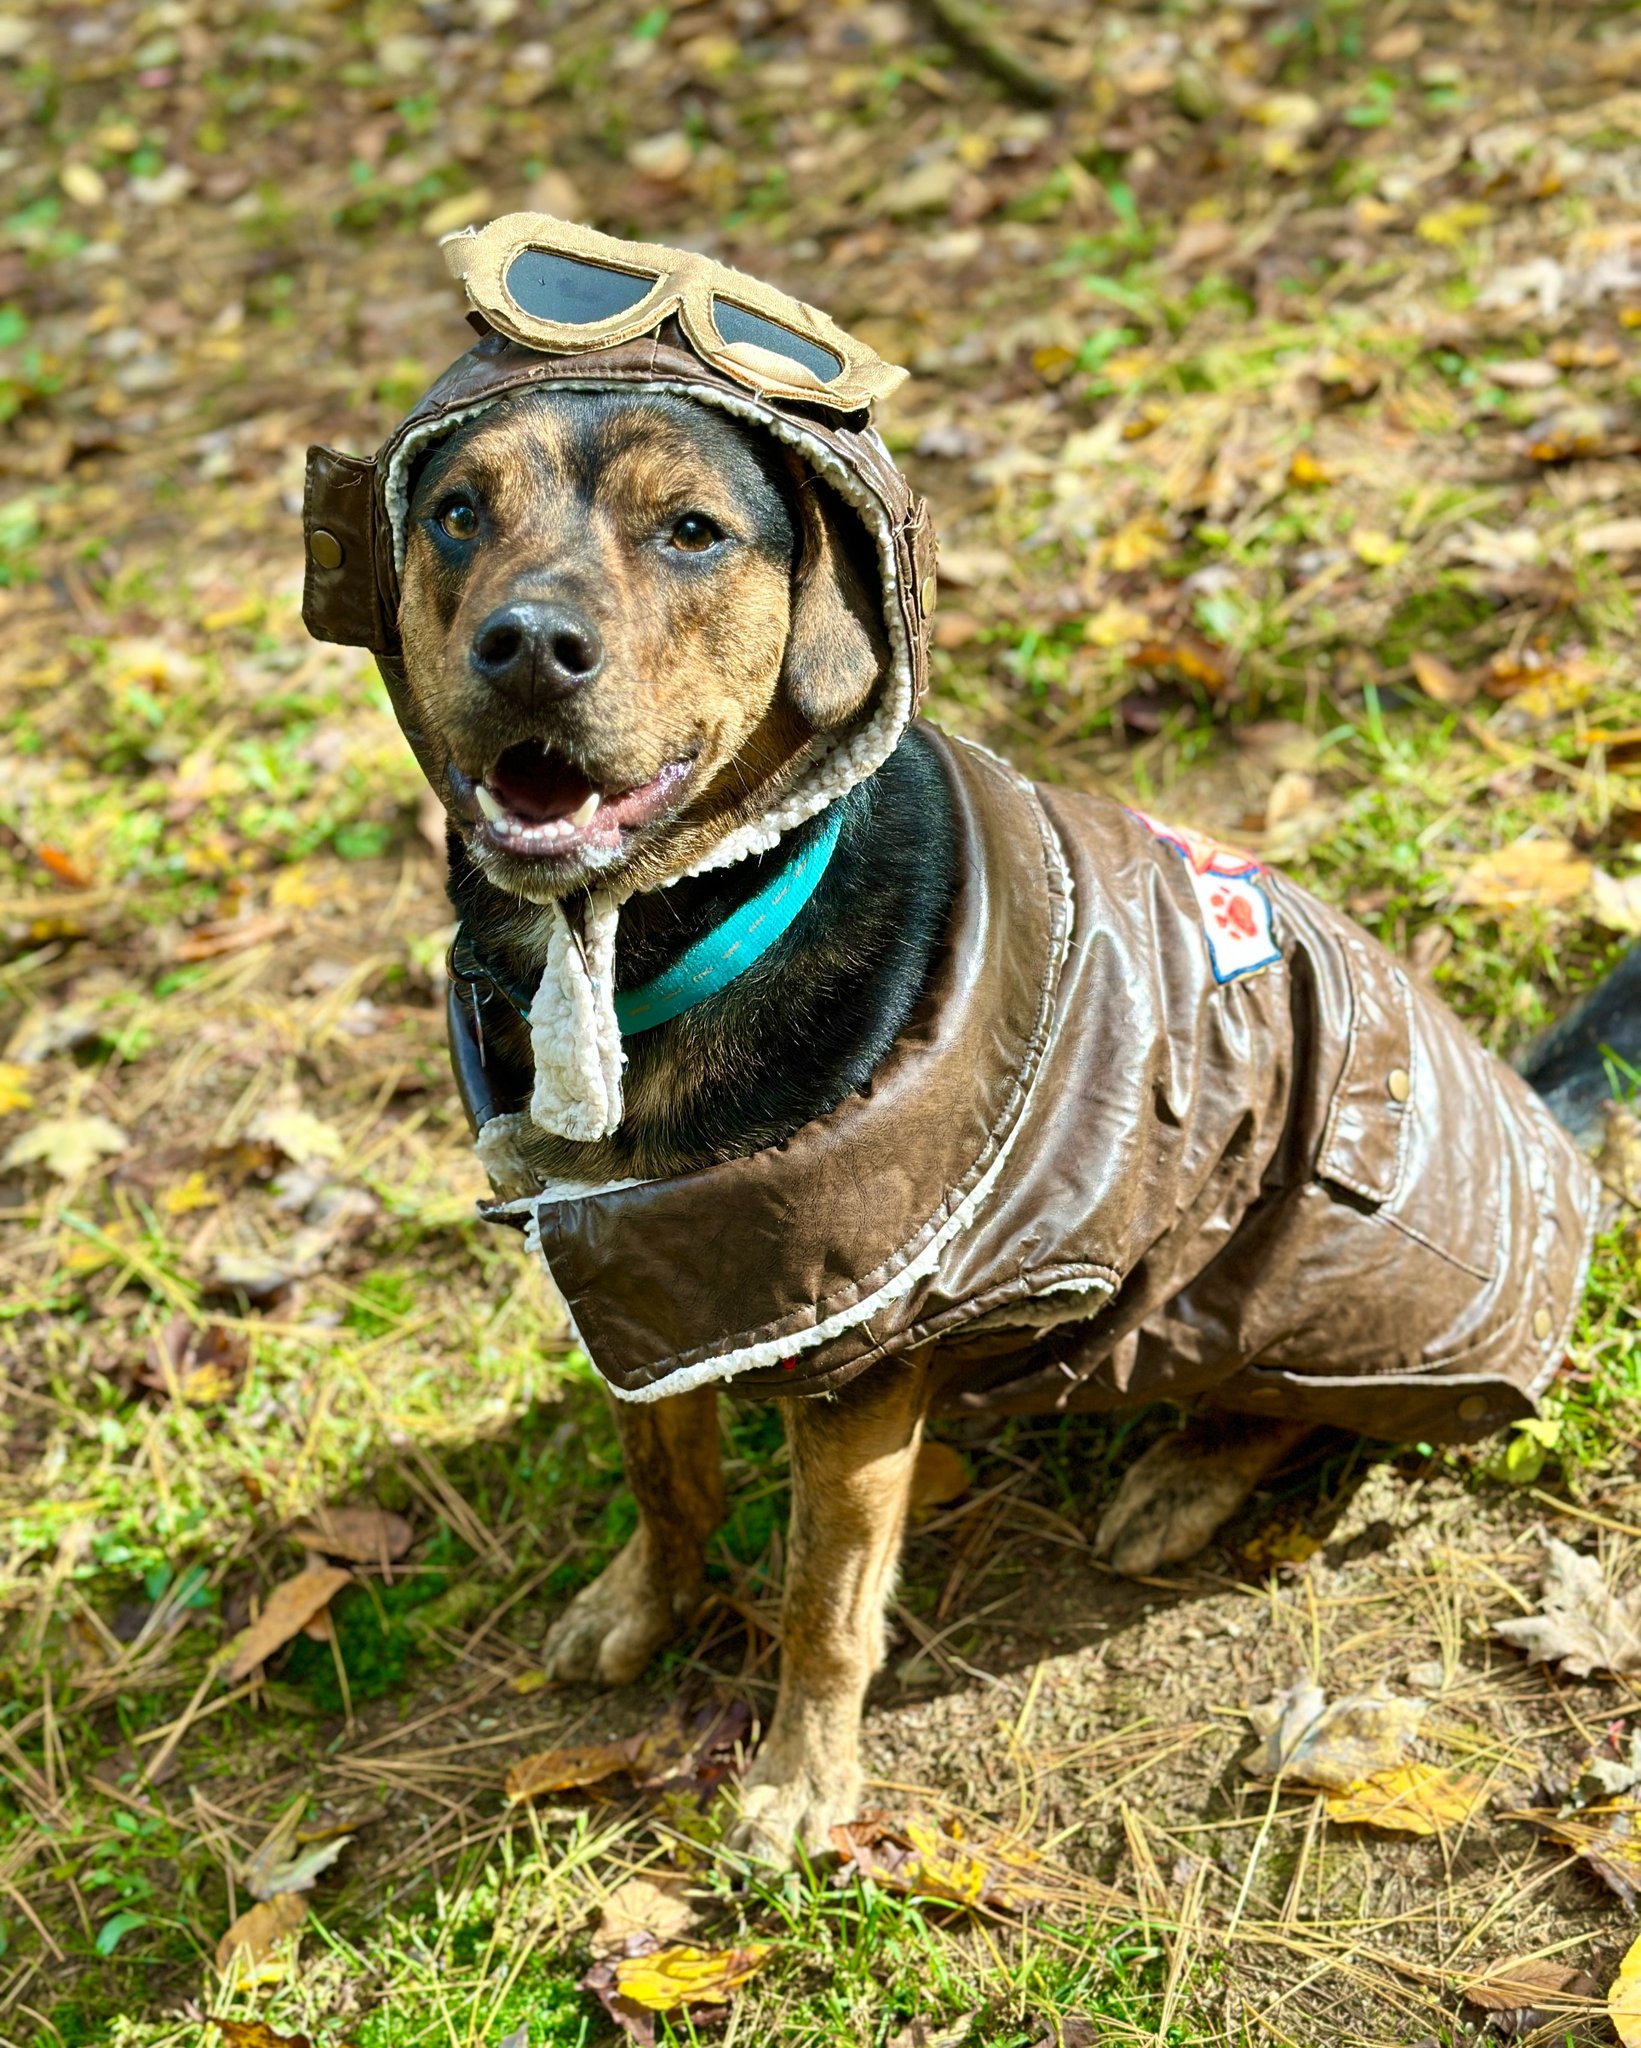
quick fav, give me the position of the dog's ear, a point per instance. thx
(836, 646)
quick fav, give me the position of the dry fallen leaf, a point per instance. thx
(915, 1856)
(67, 1146)
(1441, 682)
(1606, 1836)
(1611, 537)
(643, 1906)
(940, 1475)
(568, 1770)
(290, 1858)
(1528, 871)
(686, 1975)
(1616, 902)
(1624, 1999)
(1334, 1748)
(301, 1136)
(361, 1535)
(1584, 1627)
(685, 1753)
(1523, 1995)
(290, 1608)
(201, 1366)
(1415, 1799)
(258, 2034)
(254, 1951)
(1188, 654)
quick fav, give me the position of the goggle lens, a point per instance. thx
(734, 324)
(566, 289)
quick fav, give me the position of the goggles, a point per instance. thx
(566, 290)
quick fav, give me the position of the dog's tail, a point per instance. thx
(1593, 1054)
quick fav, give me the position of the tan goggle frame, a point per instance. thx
(525, 271)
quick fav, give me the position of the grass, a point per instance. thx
(1233, 496)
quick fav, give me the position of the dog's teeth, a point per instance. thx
(487, 803)
(582, 816)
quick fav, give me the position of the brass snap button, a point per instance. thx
(926, 595)
(1543, 1322)
(1400, 1084)
(1472, 1408)
(325, 548)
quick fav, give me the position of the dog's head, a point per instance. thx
(623, 619)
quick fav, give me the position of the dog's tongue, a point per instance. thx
(538, 785)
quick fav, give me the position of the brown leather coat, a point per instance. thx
(1120, 1156)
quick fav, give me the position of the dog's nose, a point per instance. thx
(536, 651)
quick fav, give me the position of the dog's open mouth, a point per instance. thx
(534, 802)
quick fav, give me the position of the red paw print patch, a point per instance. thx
(1231, 897)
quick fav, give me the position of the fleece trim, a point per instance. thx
(574, 1034)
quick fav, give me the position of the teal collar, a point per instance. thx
(723, 954)
(717, 958)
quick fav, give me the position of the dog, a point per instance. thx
(634, 600)
(823, 1057)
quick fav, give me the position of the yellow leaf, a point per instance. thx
(298, 1134)
(293, 889)
(462, 211)
(1416, 1799)
(1448, 226)
(1306, 473)
(193, 1193)
(83, 183)
(1377, 549)
(1142, 541)
(14, 1093)
(246, 613)
(1528, 871)
(685, 1975)
(1624, 1999)
(1115, 624)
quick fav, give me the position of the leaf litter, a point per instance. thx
(688, 1752)
(1584, 1627)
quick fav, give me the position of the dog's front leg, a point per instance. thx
(640, 1601)
(852, 1459)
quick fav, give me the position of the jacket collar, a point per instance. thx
(738, 1268)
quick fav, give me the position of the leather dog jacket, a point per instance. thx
(1107, 1163)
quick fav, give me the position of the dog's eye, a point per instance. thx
(459, 518)
(695, 533)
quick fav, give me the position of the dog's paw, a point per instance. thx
(1169, 1506)
(612, 1628)
(788, 1809)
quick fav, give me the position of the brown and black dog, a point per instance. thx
(622, 619)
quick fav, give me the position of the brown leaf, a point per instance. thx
(361, 1535)
(643, 1906)
(1585, 1628)
(569, 1770)
(1606, 1836)
(940, 1475)
(290, 1608)
(1188, 654)
(246, 1951)
(1441, 682)
(202, 1366)
(684, 1752)
(214, 941)
(1508, 1987)
(258, 2034)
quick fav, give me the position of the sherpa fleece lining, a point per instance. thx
(573, 1030)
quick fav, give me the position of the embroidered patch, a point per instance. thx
(1231, 898)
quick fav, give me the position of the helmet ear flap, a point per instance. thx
(836, 645)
